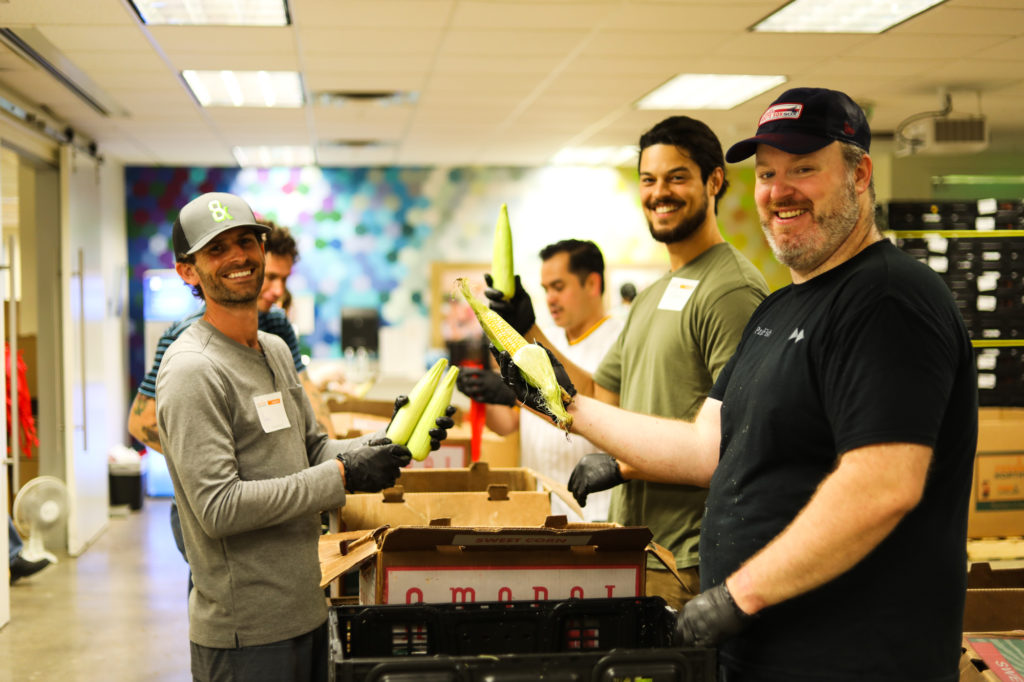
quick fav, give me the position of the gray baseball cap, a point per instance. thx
(208, 215)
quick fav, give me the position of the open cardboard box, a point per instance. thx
(993, 624)
(442, 563)
(475, 496)
(997, 490)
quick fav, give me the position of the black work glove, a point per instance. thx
(525, 393)
(485, 386)
(710, 618)
(518, 311)
(374, 466)
(443, 422)
(593, 473)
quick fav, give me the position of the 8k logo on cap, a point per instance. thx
(219, 212)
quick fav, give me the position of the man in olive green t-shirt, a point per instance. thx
(680, 332)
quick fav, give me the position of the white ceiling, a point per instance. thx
(506, 82)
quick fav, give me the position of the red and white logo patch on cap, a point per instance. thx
(778, 111)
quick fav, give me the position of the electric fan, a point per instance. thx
(40, 505)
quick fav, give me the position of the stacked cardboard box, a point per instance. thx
(993, 625)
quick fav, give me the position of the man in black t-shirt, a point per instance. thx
(838, 441)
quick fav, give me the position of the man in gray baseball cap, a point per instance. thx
(207, 216)
(250, 468)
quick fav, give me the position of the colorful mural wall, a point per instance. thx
(368, 236)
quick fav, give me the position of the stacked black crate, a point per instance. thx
(977, 249)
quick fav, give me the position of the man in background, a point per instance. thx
(572, 276)
(680, 332)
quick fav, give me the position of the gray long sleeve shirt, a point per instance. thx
(249, 499)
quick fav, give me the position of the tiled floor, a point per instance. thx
(118, 613)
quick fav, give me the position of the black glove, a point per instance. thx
(525, 393)
(593, 473)
(518, 311)
(710, 618)
(444, 423)
(374, 466)
(485, 386)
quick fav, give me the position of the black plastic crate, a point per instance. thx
(655, 665)
(514, 627)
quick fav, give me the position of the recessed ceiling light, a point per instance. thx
(708, 91)
(595, 156)
(842, 16)
(245, 88)
(268, 157)
(215, 12)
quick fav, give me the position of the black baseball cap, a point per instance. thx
(206, 216)
(803, 120)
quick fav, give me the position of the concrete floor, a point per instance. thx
(118, 613)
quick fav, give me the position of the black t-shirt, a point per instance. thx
(873, 351)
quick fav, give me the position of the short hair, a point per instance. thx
(584, 257)
(280, 241)
(699, 141)
(852, 154)
(627, 291)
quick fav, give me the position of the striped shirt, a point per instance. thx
(273, 322)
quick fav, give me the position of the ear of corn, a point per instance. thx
(419, 441)
(503, 274)
(532, 360)
(401, 427)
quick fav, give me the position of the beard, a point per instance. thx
(834, 225)
(686, 226)
(214, 289)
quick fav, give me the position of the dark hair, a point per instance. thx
(280, 241)
(584, 257)
(627, 291)
(697, 139)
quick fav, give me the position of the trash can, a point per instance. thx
(126, 475)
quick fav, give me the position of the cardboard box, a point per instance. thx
(474, 496)
(993, 618)
(443, 564)
(997, 490)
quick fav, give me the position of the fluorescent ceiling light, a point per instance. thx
(268, 157)
(842, 16)
(215, 12)
(245, 88)
(595, 156)
(708, 91)
(978, 179)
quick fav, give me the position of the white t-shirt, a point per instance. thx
(549, 450)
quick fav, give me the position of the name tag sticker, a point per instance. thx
(270, 408)
(677, 293)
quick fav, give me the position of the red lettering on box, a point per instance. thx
(463, 592)
(505, 594)
(414, 592)
(540, 592)
(576, 592)
(610, 588)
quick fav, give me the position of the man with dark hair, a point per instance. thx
(572, 276)
(680, 332)
(251, 470)
(838, 442)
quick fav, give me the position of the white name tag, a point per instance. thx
(270, 408)
(677, 293)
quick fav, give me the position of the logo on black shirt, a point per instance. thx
(797, 336)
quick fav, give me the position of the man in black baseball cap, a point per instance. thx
(837, 444)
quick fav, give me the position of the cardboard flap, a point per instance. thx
(408, 538)
(393, 494)
(989, 610)
(497, 492)
(664, 557)
(341, 552)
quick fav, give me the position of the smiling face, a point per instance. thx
(675, 199)
(808, 204)
(229, 269)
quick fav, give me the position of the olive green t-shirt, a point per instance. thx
(680, 332)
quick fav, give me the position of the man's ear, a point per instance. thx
(593, 283)
(715, 181)
(187, 272)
